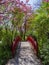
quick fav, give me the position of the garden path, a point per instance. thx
(24, 56)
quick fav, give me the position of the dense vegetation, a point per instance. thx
(37, 24)
(7, 35)
(40, 29)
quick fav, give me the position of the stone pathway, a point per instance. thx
(24, 56)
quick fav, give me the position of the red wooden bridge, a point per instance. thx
(31, 40)
(26, 52)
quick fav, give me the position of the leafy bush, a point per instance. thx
(5, 54)
(39, 27)
(6, 40)
(41, 30)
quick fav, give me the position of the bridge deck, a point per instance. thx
(24, 56)
(25, 44)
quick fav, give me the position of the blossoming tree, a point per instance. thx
(14, 12)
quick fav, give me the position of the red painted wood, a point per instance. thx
(33, 42)
(15, 43)
(18, 39)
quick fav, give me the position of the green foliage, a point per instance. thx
(40, 28)
(8, 34)
(5, 54)
(37, 25)
(6, 39)
(17, 17)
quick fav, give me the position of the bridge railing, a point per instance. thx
(33, 43)
(29, 38)
(15, 44)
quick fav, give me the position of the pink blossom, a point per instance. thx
(14, 4)
(46, 0)
(1, 22)
(1, 17)
(27, 1)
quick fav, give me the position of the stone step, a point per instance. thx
(25, 44)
